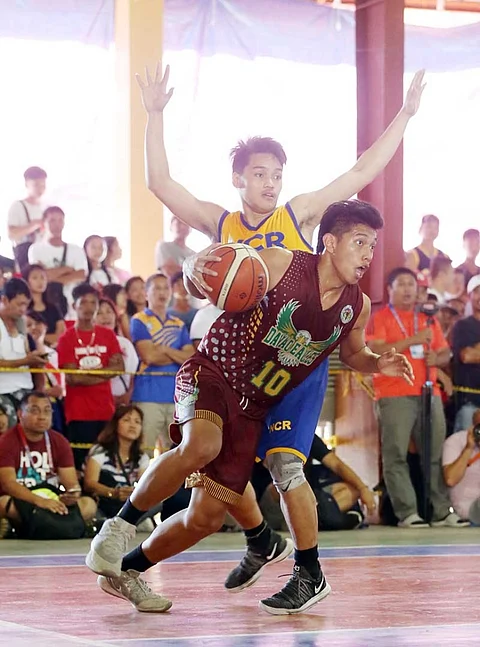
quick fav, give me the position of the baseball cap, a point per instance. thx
(473, 283)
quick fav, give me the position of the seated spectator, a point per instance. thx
(3, 420)
(466, 359)
(122, 385)
(118, 295)
(136, 295)
(15, 351)
(399, 326)
(36, 277)
(180, 305)
(35, 461)
(442, 279)
(89, 403)
(202, 322)
(163, 344)
(96, 251)
(169, 256)
(114, 254)
(461, 469)
(65, 263)
(471, 244)
(420, 258)
(25, 217)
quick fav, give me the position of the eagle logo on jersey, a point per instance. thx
(296, 346)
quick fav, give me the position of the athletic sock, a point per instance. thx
(136, 560)
(259, 538)
(130, 513)
(309, 560)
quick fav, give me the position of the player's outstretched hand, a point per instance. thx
(154, 91)
(395, 365)
(414, 94)
(194, 268)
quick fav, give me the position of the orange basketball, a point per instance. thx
(242, 279)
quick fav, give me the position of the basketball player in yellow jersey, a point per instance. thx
(257, 167)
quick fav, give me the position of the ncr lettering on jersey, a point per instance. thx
(263, 241)
(294, 346)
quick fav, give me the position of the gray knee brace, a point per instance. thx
(286, 470)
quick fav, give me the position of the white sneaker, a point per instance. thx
(452, 520)
(413, 521)
(109, 546)
(130, 586)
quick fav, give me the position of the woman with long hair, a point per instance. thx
(115, 464)
(122, 386)
(118, 295)
(114, 254)
(136, 295)
(36, 277)
(96, 252)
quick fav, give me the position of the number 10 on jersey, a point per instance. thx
(271, 384)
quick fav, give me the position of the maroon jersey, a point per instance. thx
(268, 351)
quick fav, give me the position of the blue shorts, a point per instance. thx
(290, 425)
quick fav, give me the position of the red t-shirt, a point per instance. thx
(87, 348)
(13, 454)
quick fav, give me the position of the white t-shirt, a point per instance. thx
(121, 384)
(203, 321)
(467, 490)
(100, 277)
(18, 218)
(12, 348)
(170, 251)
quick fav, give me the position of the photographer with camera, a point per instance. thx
(461, 469)
(407, 328)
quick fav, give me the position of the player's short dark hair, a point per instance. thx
(399, 271)
(82, 290)
(35, 173)
(241, 153)
(341, 217)
(439, 264)
(154, 277)
(16, 287)
(471, 233)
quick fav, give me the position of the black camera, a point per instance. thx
(476, 434)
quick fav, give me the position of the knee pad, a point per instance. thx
(286, 470)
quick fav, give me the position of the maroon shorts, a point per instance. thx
(201, 391)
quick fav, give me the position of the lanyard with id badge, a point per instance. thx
(416, 350)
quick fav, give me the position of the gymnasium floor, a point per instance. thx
(390, 588)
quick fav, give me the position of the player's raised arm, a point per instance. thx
(309, 207)
(200, 215)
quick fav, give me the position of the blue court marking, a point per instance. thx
(23, 561)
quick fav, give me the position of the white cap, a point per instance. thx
(473, 283)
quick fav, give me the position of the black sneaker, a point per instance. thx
(252, 564)
(299, 594)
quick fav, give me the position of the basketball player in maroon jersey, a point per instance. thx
(244, 365)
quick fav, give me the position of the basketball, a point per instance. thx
(242, 279)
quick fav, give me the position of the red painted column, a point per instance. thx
(380, 65)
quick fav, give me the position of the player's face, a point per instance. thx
(159, 293)
(403, 292)
(353, 253)
(260, 183)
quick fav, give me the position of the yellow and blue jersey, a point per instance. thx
(280, 229)
(170, 332)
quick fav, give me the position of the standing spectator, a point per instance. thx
(180, 306)
(471, 244)
(34, 461)
(122, 385)
(25, 223)
(163, 344)
(420, 258)
(442, 278)
(14, 348)
(65, 263)
(36, 278)
(169, 256)
(118, 296)
(461, 469)
(96, 251)
(114, 254)
(136, 295)
(466, 359)
(89, 401)
(399, 326)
